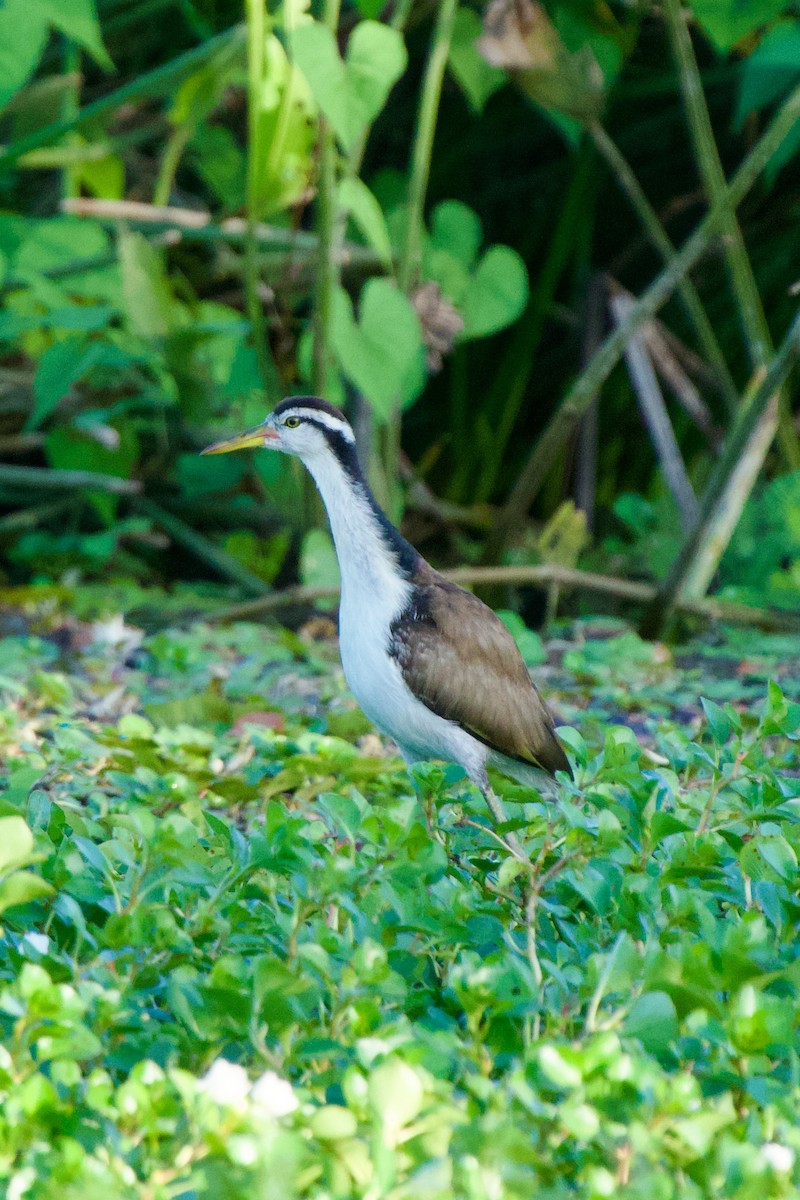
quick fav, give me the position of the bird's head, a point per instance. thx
(301, 425)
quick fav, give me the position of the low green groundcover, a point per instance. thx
(242, 958)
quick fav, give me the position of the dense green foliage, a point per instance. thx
(358, 202)
(205, 886)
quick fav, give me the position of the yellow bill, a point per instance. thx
(243, 441)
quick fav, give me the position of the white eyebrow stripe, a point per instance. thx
(322, 418)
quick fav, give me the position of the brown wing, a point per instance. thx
(459, 659)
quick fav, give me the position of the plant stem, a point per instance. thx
(584, 389)
(408, 267)
(256, 34)
(748, 429)
(423, 142)
(327, 264)
(70, 107)
(745, 289)
(625, 177)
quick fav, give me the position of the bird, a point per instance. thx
(431, 665)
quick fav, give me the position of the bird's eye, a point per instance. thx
(292, 422)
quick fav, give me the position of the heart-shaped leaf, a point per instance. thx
(352, 92)
(355, 198)
(382, 352)
(496, 294)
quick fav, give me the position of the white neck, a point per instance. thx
(369, 569)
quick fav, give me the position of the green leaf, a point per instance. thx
(353, 92)
(78, 20)
(332, 1122)
(396, 1095)
(718, 721)
(381, 353)
(529, 643)
(149, 304)
(22, 887)
(319, 566)
(64, 364)
(16, 842)
(730, 21)
(355, 198)
(771, 71)
(497, 293)
(456, 230)
(477, 79)
(23, 34)
(653, 1020)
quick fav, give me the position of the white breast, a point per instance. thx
(374, 594)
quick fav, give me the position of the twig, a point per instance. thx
(48, 479)
(654, 411)
(198, 223)
(539, 576)
(581, 394)
(672, 371)
(602, 984)
(688, 293)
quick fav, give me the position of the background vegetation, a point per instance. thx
(545, 255)
(434, 215)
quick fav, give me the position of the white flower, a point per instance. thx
(780, 1158)
(274, 1094)
(226, 1083)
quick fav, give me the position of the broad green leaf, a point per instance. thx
(396, 1095)
(382, 351)
(477, 79)
(21, 888)
(496, 294)
(653, 1020)
(149, 304)
(355, 198)
(283, 137)
(78, 20)
(23, 34)
(332, 1122)
(319, 566)
(771, 71)
(456, 229)
(64, 364)
(16, 842)
(730, 21)
(352, 92)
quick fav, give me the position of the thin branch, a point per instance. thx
(654, 411)
(542, 575)
(47, 479)
(198, 223)
(686, 290)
